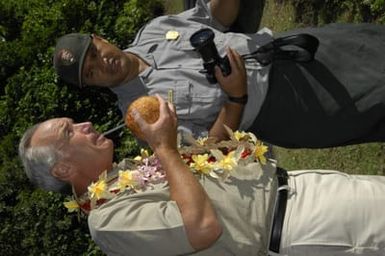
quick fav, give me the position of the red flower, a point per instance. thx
(245, 153)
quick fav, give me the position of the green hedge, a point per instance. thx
(34, 222)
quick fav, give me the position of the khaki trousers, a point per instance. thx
(333, 213)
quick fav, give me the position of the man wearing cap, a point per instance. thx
(256, 209)
(336, 99)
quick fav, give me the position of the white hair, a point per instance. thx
(38, 162)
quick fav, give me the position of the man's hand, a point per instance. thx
(235, 84)
(161, 134)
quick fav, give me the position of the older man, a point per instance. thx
(336, 99)
(259, 210)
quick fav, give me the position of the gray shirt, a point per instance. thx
(174, 65)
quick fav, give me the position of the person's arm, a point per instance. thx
(199, 217)
(230, 115)
(225, 11)
(234, 85)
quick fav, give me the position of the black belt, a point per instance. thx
(279, 211)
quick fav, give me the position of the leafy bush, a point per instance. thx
(34, 222)
(135, 13)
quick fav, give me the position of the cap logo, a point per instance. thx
(66, 57)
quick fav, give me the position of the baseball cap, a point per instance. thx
(69, 56)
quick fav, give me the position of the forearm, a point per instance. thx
(198, 214)
(230, 115)
(235, 86)
(225, 11)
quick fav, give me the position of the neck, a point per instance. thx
(80, 183)
(137, 65)
(80, 187)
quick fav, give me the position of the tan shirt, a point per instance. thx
(149, 223)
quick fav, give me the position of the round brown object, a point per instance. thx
(148, 107)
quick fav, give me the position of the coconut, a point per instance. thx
(148, 107)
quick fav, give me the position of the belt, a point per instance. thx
(279, 210)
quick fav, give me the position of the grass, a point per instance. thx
(358, 159)
(173, 6)
(278, 17)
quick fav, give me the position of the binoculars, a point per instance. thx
(203, 42)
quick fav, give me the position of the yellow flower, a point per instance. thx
(143, 154)
(126, 179)
(201, 163)
(71, 206)
(228, 162)
(240, 135)
(97, 190)
(260, 151)
(202, 140)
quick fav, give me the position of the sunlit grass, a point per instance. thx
(278, 17)
(358, 159)
(173, 6)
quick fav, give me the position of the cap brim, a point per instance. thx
(86, 44)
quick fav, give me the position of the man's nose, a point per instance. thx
(85, 127)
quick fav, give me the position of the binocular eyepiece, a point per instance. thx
(203, 42)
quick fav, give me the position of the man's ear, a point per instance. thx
(63, 170)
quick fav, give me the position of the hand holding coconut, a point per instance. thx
(154, 120)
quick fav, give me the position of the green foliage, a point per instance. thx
(378, 8)
(319, 12)
(34, 222)
(40, 226)
(135, 13)
(278, 16)
(376, 5)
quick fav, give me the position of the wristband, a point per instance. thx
(240, 100)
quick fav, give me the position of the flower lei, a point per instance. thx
(145, 173)
(204, 157)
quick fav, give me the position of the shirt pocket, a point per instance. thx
(197, 102)
(178, 53)
(182, 98)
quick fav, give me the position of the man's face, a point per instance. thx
(90, 151)
(104, 65)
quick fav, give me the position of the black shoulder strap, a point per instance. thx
(299, 48)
